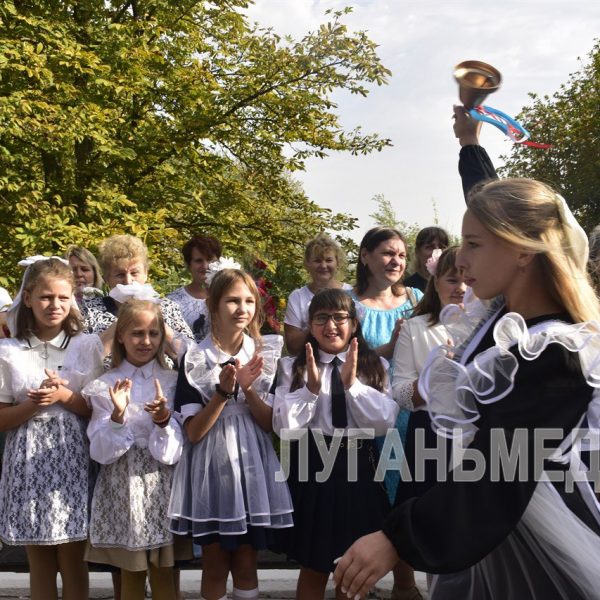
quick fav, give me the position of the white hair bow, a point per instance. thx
(139, 291)
(224, 262)
(30, 260)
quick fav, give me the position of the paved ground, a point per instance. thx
(275, 584)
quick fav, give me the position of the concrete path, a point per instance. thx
(274, 584)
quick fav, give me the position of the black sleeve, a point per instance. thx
(185, 393)
(456, 524)
(474, 166)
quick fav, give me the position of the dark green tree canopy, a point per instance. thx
(164, 118)
(570, 120)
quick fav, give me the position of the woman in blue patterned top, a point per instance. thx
(383, 302)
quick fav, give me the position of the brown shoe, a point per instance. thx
(411, 593)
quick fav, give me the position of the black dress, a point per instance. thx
(474, 166)
(502, 536)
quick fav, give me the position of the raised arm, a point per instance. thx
(474, 164)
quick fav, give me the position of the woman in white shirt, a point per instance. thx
(198, 252)
(323, 259)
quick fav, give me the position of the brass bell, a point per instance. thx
(476, 81)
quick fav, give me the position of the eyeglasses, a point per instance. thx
(337, 318)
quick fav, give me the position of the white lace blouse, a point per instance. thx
(78, 359)
(416, 340)
(109, 440)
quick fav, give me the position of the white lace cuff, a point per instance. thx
(403, 395)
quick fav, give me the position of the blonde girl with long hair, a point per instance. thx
(526, 378)
(45, 474)
(225, 493)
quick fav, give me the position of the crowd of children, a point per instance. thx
(134, 435)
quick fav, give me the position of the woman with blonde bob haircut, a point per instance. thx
(124, 262)
(525, 378)
(324, 259)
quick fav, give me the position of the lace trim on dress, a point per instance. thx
(453, 391)
(203, 375)
(404, 396)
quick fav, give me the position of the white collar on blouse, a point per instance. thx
(60, 342)
(130, 370)
(325, 357)
(216, 356)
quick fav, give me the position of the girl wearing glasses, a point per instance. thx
(337, 384)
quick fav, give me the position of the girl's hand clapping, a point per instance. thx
(227, 380)
(348, 372)
(248, 374)
(52, 379)
(51, 390)
(158, 408)
(313, 375)
(120, 395)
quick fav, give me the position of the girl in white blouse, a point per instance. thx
(337, 386)
(45, 483)
(137, 442)
(419, 335)
(225, 491)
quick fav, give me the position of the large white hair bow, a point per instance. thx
(139, 291)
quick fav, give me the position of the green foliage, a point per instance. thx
(570, 121)
(162, 119)
(385, 216)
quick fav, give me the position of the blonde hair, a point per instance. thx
(84, 255)
(594, 259)
(50, 268)
(128, 313)
(120, 250)
(322, 243)
(221, 282)
(530, 215)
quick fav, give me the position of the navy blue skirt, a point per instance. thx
(330, 515)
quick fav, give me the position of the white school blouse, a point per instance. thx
(78, 359)
(110, 440)
(366, 408)
(416, 340)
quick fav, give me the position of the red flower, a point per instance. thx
(260, 265)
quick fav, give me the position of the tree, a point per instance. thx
(570, 121)
(385, 216)
(163, 118)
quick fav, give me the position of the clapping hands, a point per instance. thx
(244, 375)
(120, 394)
(51, 390)
(158, 408)
(347, 372)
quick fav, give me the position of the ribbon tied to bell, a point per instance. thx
(476, 81)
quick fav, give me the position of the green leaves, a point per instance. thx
(163, 119)
(570, 121)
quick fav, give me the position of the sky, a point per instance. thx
(535, 44)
